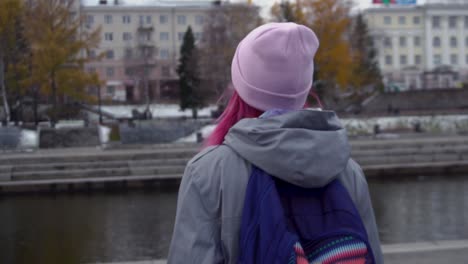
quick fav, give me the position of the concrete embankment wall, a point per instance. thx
(94, 168)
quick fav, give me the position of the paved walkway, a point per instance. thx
(435, 252)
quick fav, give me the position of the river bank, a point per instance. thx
(85, 169)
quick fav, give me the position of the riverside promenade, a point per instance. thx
(136, 166)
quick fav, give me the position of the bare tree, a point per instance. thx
(140, 61)
(221, 34)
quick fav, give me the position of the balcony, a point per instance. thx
(143, 27)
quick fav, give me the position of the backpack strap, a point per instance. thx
(264, 237)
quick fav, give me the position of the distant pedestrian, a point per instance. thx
(264, 127)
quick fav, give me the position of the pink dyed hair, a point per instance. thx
(236, 110)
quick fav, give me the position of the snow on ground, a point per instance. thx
(206, 131)
(70, 124)
(104, 134)
(355, 126)
(64, 124)
(432, 124)
(157, 110)
(365, 126)
(29, 139)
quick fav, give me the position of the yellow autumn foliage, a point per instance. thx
(330, 20)
(58, 47)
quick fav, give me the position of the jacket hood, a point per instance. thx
(307, 148)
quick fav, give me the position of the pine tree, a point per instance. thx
(366, 71)
(189, 80)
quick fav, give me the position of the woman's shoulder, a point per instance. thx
(220, 174)
(354, 180)
(215, 161)
(212, 154)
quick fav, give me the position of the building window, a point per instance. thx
(437, 59)
(436, 42)
(180, 36)
(466, 21)
(417, 41)
(402, 42)
(110, 71)
(417, 59)
(110, 54)
(164, 54)
(110, 89)
(91, 70)
(466, 41)
(165, 71)
(387, 20)
(108, 36)
(452, 22)
(453, 42)
(164, 36)
(89, 20)
(454, 59)
(199, 20)
(403, 60)
(416, 20)
(108, 19)
(466, 59)
(388, 42)
(163, 19)
(148, 19)
(436, 22)
(181, 20)
(388, 60)
(126, 19)
(402, 20)
(198, 36)
(129, 71)
(144, 36)
(91, 54)
(127, 36)
(128, 53)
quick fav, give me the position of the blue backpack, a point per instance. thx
(284, 223)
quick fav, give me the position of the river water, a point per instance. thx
(137, 225)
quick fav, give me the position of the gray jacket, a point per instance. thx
(306, 148)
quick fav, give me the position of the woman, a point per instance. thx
(272, 72)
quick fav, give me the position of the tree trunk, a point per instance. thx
(147, 93)
(99, 103)
(35, 105)
(53, 118)
(6, 107)
(194, 113)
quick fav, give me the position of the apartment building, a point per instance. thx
(421, 47)
(140, 44)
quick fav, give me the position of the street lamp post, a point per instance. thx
(99, 104)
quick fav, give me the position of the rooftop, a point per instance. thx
(147, 3)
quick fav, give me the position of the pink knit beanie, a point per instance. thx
(273, 66)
